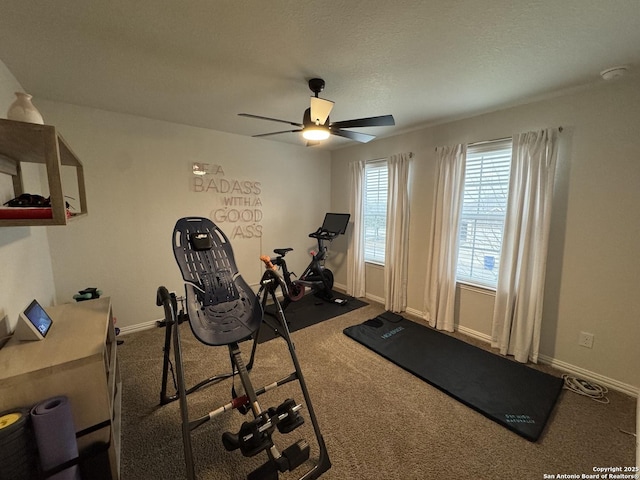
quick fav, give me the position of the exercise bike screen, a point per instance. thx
(336, 222)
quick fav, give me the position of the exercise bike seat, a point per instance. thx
(282, 251)
(222, 308)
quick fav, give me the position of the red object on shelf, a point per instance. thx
(18, 213)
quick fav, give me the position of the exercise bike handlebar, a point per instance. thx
(321, 234)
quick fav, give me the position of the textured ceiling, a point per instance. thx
(201, 62)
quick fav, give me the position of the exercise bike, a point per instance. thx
(316, 276)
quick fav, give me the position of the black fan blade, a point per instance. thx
(358, 137)
(312, 143)
(382, 121)
(268, 118)
(275, 133)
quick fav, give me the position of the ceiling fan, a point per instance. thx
(316, 125)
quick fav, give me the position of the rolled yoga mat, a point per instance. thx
(56, 436)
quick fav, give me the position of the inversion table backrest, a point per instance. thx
(222, 308)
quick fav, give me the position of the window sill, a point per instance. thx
(474, 287)
(374, 264)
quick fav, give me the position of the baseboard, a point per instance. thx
(373, 298)
(340, 286)
(566, 367)
(474, 334)
(138, 327)
(560, 365)
(464, 330)
(591, 376)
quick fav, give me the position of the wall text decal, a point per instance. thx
(238, 201)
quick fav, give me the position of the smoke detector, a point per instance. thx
(613, 73)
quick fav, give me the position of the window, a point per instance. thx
(484, 204)
(376, 176)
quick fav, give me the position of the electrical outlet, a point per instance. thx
(585, 339)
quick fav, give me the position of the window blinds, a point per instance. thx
(375, 211)
(486, 188)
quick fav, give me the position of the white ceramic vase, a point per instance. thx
(23, 110)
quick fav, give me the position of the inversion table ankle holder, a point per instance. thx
(223, 311)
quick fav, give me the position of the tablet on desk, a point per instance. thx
(34, 323)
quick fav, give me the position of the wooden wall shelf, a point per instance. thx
(22, 142)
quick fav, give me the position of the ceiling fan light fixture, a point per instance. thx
(316, 126)
(320, 110)
(315, 132)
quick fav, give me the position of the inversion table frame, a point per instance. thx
(223, 311)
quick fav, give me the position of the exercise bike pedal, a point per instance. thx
(297, 454)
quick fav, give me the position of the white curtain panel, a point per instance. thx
(517, 313)
(396, 253)
(440, 289)
(355, 249)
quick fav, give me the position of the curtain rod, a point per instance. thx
(488, 141)
(497, 139)
(384, 158)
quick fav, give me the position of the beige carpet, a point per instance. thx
(378, 421)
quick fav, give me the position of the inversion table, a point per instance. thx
(223, 310)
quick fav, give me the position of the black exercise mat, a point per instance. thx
(308, 311)
(514, 395)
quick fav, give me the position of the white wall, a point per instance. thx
(594, 255)
(139, 183)
(25, 262)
